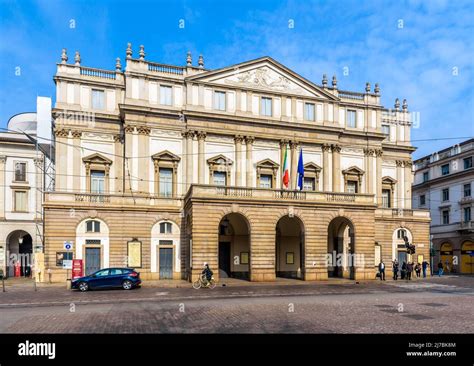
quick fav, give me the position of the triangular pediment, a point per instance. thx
(353, 170)
(219, 160)
(388, 180)
(97, 159)
(267, 163)
(264, 74)
(166, 155)
(312, 167)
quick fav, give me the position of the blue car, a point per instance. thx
(126, 278)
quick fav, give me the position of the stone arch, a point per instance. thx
(92, 247)
(397, 252)
(166, 217)
(341, 244)
(165, 249)
(290, 234)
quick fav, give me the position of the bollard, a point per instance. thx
(3, 284)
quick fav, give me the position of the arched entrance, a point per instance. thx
(341, 248)
(165, 249)
(289, 247)
(234, 247)
(19, 250)
(467, 257)
(399, 250)
(446, 256)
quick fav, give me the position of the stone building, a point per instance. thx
(443, 184)
(23, 163)
(163, 168)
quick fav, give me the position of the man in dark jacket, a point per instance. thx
(424, 266)
(382, 270)
(409, 270)
(440, 268)
(395, 266)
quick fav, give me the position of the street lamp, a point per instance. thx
(20, 240)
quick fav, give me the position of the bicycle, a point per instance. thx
(203, 282)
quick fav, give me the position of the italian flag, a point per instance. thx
(286, 173)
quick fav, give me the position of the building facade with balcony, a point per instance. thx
(163, 168)
(443, 184)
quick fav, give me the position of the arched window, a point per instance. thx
(401, 233)
(93, 226)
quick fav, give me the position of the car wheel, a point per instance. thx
(127, 285)
(83, 286)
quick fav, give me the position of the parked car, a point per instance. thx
(126, 278)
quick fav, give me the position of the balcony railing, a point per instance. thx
(351, 95)
(165, 69)
(98, 73)
(403, 213)
(466, 225)
(93, 198)
(210, 191)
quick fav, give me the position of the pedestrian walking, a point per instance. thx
(409, 270)
(403, 271)
(418, 270)
(382, 270)
(395, 266)
(440, 268)
(424, 266)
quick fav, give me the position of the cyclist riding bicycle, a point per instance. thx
(207, 273)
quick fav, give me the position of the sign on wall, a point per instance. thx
(77, 269)
(134, 254)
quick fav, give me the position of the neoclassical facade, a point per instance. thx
(167, 167)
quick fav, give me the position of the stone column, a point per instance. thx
(408, 182)
(336, 168)
(201, 136)
(128, 157)
(143, 163)
(189, 158)
(326, 172)
(378, 175)
(294, 163)
(400, 184)
(183, 181)
(283, 146)
(369, 163)
(3, 160)
(76, 158)
(238, 160)
(61, 159)
(249, 161)
(118, 165)
(39, 187)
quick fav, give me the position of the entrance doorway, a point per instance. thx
(289, 248)
(341, 248)
(92, 260)
(234, 247)
(166, 263)
(19, 250)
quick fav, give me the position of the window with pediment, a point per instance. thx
(311, 177)
(166, 173)
(97, 173)
(353, 179)
(220, 168)
(267, 171)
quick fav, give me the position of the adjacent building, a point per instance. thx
(163, 168)
(443, 184)
(25, 151)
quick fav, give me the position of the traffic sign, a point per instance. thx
(67, 264)
(68, 245)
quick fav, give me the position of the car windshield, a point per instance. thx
(102, 273)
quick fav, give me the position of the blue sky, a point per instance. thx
(419, 50)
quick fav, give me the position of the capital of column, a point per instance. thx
(249, 140)
(129, 129)
(408, 163)
(76, 134)
(142, 130)
(3, 159)
(326, 147)
(61, 132)
(368, 151)
(400, 163)
(336, 148)
(117, 138)
(238, 139)
(38, 162)
(284, 142)
(188, 134)
(293, 144)
(378, 153)
(201, 135)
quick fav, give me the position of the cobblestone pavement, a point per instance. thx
(436, 305)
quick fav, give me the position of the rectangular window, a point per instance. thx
(219, 100)
(445, 195)
(97, 182)
(93, 226)
(98, 99)
(166, 182)
(386, 198)
(446, 217)
(426, 177)
(386, 130)
(266, 181)
(309, 113)
(445, 169)
(468, 162)
(20, 172)
(422, 200)
(467, 214)
(165, 95)
(20, 201)
(219, 178)
(266, 106)
(351, 118)
(165, 242)
(309, 184)
(467, 190)
(351, 186)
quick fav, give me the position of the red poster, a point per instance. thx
(17, 269)
(77, 268)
